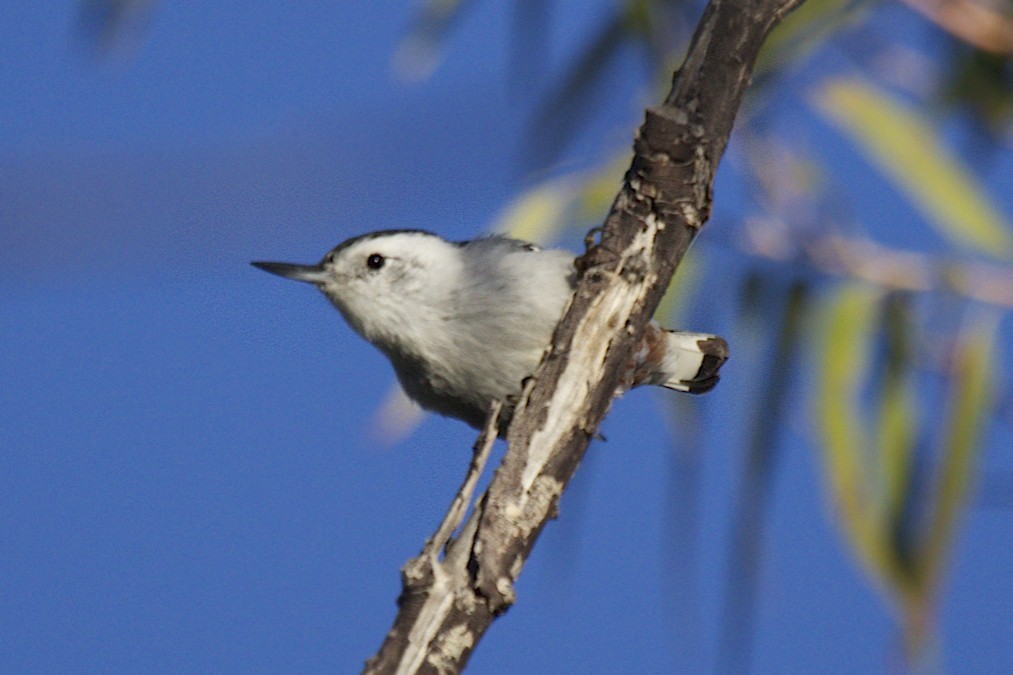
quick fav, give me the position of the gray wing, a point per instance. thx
(513, 299)
(518, 259)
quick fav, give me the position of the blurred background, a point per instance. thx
(203, 469)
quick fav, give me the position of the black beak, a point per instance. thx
(312, 274)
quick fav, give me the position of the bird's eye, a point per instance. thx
(375, 261)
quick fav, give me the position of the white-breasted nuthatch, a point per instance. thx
(464, 323)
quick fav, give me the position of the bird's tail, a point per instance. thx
(691, 362)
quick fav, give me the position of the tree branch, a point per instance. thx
(446, 606)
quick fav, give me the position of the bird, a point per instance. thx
(465, 323)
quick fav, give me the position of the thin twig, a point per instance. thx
(455, 514)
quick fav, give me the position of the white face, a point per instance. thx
(388, 284)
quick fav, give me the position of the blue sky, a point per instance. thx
(189, 479)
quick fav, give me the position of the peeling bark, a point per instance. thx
(447, 605)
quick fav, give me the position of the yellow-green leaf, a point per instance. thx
(970, 402)
(684, 280)
(897, 413)
(599, 190)
(847, 326)
(537, 213)
(805, 28)
(906, 147)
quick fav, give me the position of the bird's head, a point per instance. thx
(386, 284)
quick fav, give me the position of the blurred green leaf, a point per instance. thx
(982, 81)
(848, 324)
(970, 403)
(599, 191)
(776, 317)
(752, 305)
(870, 490)
(906, 148)
(879, 497)
(897, 413)
(683, 282)
(419, 53)
(805, 29)
(538, 213)
(571, 104)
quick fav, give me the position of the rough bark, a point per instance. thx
(447, 605)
